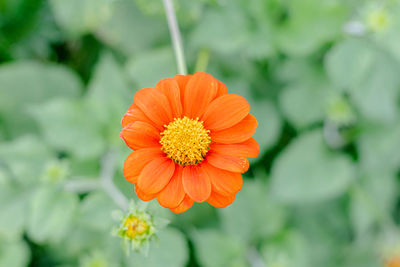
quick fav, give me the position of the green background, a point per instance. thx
(322, 78)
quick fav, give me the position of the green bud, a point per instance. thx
(137, 227)
(340, 112)
(55, 171)
(378, 19)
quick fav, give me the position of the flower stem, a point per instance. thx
(202, 60)
(105, 182)
(106, 179)
(175, 36)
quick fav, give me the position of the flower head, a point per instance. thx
(137, 228)
(191, 140)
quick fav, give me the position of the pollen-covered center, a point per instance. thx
(185, 141)
(135, 226)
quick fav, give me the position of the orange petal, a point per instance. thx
(225, 111)
(172, 195)
(227, 162)
(155, 105)
(222, 90)
(140, 135)
(223, 182)
(136, 114)
(182, 80)
(237, 133)
(142, 195)
(196, 183)
(156, 175)
(171, 90)
(136, 161)
(186, 204)
(249, 148)
(200, 91)
(220, 201)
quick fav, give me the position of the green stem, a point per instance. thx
(202, 60)
(175, 36)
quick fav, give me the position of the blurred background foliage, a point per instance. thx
(323, 81)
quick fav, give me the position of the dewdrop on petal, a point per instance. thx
(138, 227)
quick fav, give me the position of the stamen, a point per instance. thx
(185, 141)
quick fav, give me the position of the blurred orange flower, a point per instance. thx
(191, 140)
(393, 262)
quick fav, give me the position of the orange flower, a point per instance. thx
(190, 140)
(393, 262)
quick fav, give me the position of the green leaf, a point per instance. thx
(310, 24)
(224, 38)
(14, 205)
(269, 123)
(369, 75)
(26, 83)
(379, 148)
(24, 159)
(77, 17)
(149, 67)
(306, 171)
(289, 250)
(51, 214)
(32, 82)
(170, 251)
(14, 253)
(254, 213)
(305, 103)
(108, 96)
(215, 249)
(373, 201)
(96, 218)
(69, 126)
(131, 32)
(348, 62)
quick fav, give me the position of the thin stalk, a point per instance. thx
(108, 164)
(202, 60)
(106, 179)
(175, 36)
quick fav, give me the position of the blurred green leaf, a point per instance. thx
(14, 253)
(269, 124)
(224, 31)
(81, 16)
(311, 24)
(362, 70)
(130, 31)
(146, 69)
(51, 214)
(24, 159)
(306, 171)
(26, 83)
(215, 249)
(94, 217)
(170, 251)
(108, 96)
(254, 213)
(14, 204)
(379, 146)
(69, 127)
(304, 103)
(372, 202)
(290, 250)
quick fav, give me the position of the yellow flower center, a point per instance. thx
(135, 227)
(185, 141)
